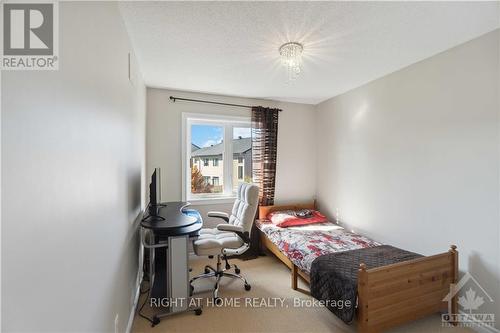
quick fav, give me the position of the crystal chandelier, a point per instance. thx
(291, 57)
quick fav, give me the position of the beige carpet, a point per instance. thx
(269, 279)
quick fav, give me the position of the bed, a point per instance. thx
(387, 296)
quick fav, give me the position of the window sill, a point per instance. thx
(211, 201)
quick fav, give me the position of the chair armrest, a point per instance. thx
(229, 227)
(236, 229)
(220, 215)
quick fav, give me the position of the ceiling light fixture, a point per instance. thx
(291, 57)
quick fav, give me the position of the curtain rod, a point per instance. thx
(173, 99)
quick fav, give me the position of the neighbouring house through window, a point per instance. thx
(240, 172)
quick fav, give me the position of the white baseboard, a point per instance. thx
(485, 329)
(136, 300)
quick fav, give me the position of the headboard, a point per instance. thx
(265, 210)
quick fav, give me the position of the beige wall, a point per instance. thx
(412, 159)
(295, 178)
(73, 149)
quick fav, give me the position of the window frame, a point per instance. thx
(240, 167)
(228, 123)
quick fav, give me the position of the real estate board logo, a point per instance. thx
(471, 297)
(30, 36)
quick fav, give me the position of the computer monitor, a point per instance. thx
(155, 188)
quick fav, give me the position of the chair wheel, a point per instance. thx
(218, 301)
(155, 321)
(247, 287)
(197, 312)
(237, 270)
(207, 271)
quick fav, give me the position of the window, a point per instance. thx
(242, 158)
(226, 141)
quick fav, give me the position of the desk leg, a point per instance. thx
(177, 278)
(178, 274)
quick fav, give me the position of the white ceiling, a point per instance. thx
(231, 48)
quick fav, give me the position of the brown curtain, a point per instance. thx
(264, 151)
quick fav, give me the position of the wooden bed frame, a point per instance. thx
(394, 294)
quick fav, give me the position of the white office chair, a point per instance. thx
(230, 238)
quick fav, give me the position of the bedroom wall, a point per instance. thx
(295, 178)
(412, 159)
(73, 157)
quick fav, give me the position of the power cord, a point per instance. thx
(145, 278)
(142, 306)
(144, 316)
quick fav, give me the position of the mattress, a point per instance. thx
(303, 244)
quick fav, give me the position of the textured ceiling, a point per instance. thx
(231, 48)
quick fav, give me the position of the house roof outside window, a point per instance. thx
(194, 147)
(239, 146)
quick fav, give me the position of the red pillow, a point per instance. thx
(288, 218)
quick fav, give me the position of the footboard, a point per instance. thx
(398, 293)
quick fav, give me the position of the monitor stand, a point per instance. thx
(154, 217)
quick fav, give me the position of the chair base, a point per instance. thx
(219, 273)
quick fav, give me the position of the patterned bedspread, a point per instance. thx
(335, 276)
(305, 243)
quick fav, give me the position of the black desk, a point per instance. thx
(175, 223)
(168, 239)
